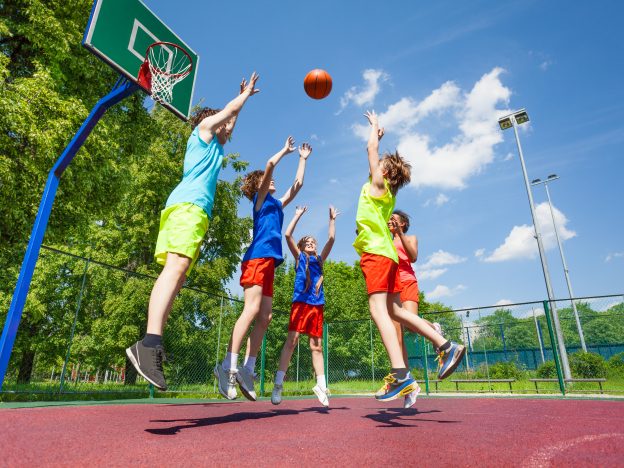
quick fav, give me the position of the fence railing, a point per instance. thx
(81, 314)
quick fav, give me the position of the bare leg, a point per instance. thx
(317, 355)
(260, 326)
(165, 289)
(378, 304)
(253, 300)
(412, 306)
(399, 331)
(287, 350)
(413, 322)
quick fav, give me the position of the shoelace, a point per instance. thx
(159, 358)
(232, 378)
(388, 380)
(440, 359)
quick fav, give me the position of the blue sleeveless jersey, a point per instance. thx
(309, 296)
(202, 163)
(267, 230)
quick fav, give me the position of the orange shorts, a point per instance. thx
(381, 273)
(409, 291)
(306, 318)
(259, 271)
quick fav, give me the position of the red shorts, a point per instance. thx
(409, 291)
(259, 271)
(306, 318)
(381, 273)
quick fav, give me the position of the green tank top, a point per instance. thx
(373, 213)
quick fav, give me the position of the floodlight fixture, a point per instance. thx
(505, 123)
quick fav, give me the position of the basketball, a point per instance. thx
(317, 84)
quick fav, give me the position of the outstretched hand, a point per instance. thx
(333, 213)
(305, 150)
(300, 210)
(289, 146)
(372, 119)
(251, 86)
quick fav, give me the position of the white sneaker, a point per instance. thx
(276, 396)
(410, 399)
(245, 380)
(226, 382)
(322, 395)
(437, 327)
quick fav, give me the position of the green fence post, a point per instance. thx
(325, 352)
(553, 344)
(370, 323)
(151, 390)
(425, 365)
(262, 363)
(73, 328)
(214, 387)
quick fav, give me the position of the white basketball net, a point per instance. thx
(169, 65)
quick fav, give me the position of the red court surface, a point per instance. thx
(354, 432)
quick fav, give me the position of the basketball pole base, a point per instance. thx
(122, 89)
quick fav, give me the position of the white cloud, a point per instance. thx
(614, 255)
(521, 243)
(441, 258)
(444, 291)
(503, 302)
(479, 253)
(474, 113)
(333, 181)
(508, 157)
(440, 200)
(431, 274)
(545, 65)
(364, 95)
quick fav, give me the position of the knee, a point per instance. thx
(264, 320)
(177, 266)
(315, 347)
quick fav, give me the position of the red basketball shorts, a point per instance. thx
(381, 273)
(260, 272)
(306, 318)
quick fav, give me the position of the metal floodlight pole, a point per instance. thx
(504, 123)
(121, 90)
(563, 261)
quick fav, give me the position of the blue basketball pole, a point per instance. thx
(121, 90)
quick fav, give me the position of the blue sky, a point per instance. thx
(439, 74)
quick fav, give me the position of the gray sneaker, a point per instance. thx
(276, 396)
(148, 362)
(245, 380)
(227, 382)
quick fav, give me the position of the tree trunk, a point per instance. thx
(131, 373)
(26, 367)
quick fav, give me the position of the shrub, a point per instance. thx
(616, 364)
(587, 365)
(506, 370)
(547, 370)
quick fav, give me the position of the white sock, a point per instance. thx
(230, 361)
(250, 363)
(320, 381)
(279, 377)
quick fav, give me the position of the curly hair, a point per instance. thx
(398, 171)
(301, 245)
(251, 182)
(405, 218)
(201, 114)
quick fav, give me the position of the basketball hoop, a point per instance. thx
(165, 65)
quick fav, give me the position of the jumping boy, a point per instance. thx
(306, 313)
(184, 223)
(258, 270)
(379, 263)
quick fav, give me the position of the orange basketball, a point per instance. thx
(317, 84)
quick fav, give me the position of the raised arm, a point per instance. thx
(292, 245)
(377, 186)
(229, 126)
(333, 214)
(209, 125)
(289, 147)
(304, 152)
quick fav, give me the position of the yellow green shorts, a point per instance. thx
(182, 230)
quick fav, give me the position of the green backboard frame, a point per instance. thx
(120, 31)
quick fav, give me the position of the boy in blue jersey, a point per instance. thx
(258, 269)
(183, 224)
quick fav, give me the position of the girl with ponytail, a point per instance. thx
(306, 314)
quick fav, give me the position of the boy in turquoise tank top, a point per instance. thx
(258, 269)
(183, 224)
(306, 314)
(379, 262)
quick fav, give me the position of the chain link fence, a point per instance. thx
(81, 315)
